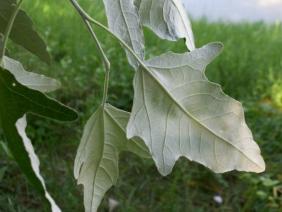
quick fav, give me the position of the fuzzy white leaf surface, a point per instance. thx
(124, 21)
(168, 19)
(96, 163)
(30, 79)
(178, 112)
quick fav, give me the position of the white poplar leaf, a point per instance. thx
(96, 162)
(168, 19)
(124, 21)
(30, 79)
(178, 112)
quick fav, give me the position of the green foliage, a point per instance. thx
(20, 100)
(21, 93)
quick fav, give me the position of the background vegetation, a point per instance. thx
(250, 69)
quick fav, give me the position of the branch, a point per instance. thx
(97, 23)
(140, 61)
(106, 62)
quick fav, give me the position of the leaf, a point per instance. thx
(21, 99)
(23, 32)
(124, 21)
(39, 83)
(168, 19)
(17, 100)
(96, 163)
(32, 80)
(178, 112)
(35, 163)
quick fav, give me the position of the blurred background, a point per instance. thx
(249, 69)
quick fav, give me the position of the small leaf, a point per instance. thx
(23, 32)
(32, 80)
(124, 21)
(178, 112)
(96, 163)
(17, 100)
(168, 19)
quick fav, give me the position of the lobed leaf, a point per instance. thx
(22, 32)
(168, 19)
(96, 163)
(124, 21)
(178, 112)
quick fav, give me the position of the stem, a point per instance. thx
(8, 31)
(106, 87)
(97, 23)
(106, 62)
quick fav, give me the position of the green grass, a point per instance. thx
(249, 69)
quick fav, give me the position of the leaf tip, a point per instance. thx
(217, 46)
(261, 167)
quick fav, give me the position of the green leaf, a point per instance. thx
(168, 19)
(23, 32)
(96, 163)
(178, 112)
(32, 80)
(39, 83)
(124, 21)
(17, 100)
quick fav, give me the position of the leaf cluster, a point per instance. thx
(177, 112)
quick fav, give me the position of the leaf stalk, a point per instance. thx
(107, 64)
